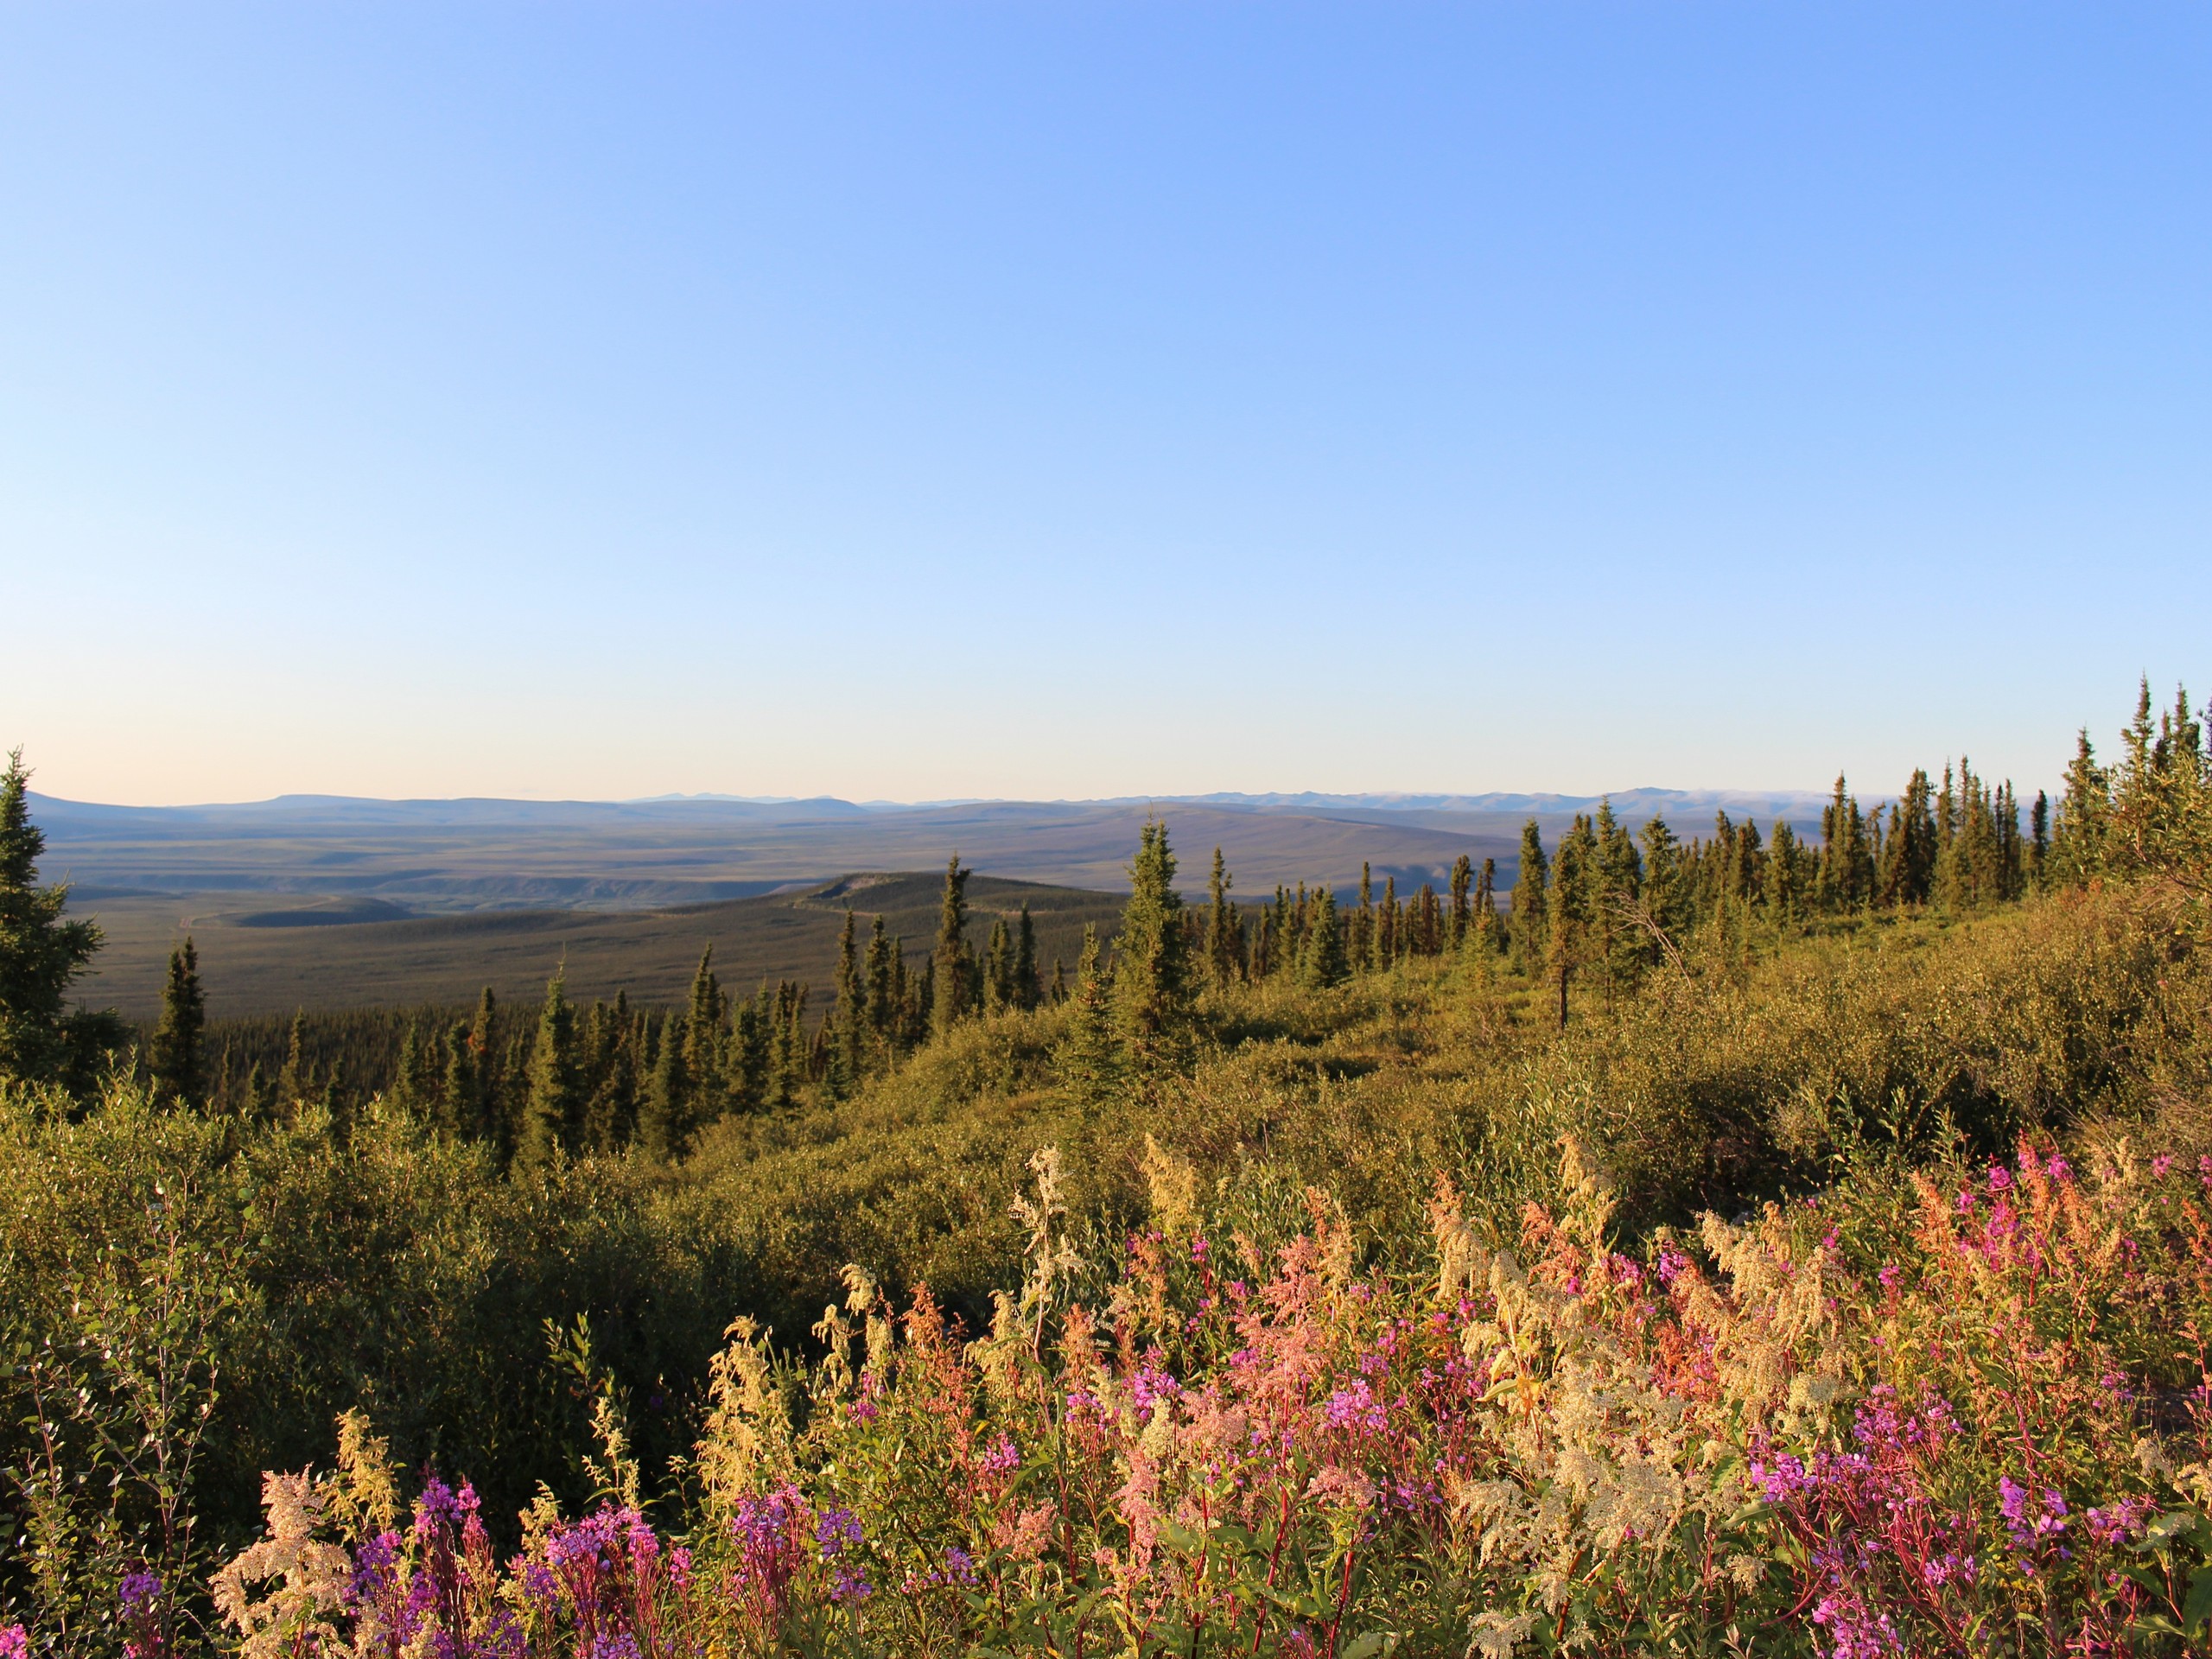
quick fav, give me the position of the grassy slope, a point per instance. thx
(415, 1278)
(1702, 1091)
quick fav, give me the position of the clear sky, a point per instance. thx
(1065, 399)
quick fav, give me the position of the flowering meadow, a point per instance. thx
(1969, 1419)
(1736, 1281)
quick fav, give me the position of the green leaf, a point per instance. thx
(2174, 1524)
(2199, 1604)
(1366, 1647)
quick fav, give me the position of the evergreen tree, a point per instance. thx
(1846, 871)
(1387, 948)
(253, 1104)
(1090, 1055)
(40, 956)
(1152, 978)
(1324, 962)
(663, 1131)
(410, 1083)
(1462, 909)
(611, 1104)
(1669, 901)
(884, 987)
(1363, 922)
(458, 1117)
(1529, 920)
(1784, 896)
(1622, 945)
(293, 1079)
(1028, 992)
(488, 1108)
(1571, 907)
(1059, 981)
(1224, 931)
(998, 968)
(848, 1048)
(1487, 932)
(176, 1053)
(949, 961)
(1909, 851)
(707, 1097)
(2077, 840)
(553, 1109)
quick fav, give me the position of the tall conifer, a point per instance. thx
(1529, 919)
(1325, 961)
(553, 1108)
(1224, 931)
(179, 1062)
(950, 960)
(1152, 976)
(41, 954)
(1028, 991)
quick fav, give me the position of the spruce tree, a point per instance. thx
(884, 988)
(998, 968)
(552, 1111)
(458, 1117)
(1463, 908)
(1089, 1056)
(1907, 875)
(950, 960)
(1571, 907)
(293, 1080)
(663, 1132)
(253, 1106)
(2077, 840)
(1667, 899)
(1225, 931)
(1152, 978)
(176, 1054)
(410, 1082)
(703, 1042)
(41, 955)
(848, 1047)
(486, 1111)
(1028, 991)
(1326, 964)
(1527, 920)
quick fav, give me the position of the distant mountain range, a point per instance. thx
(444, 855)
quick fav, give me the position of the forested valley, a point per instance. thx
(1721, 1241)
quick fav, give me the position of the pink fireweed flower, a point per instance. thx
(1355, 1411)
(2161, 1164)
(15, 1642)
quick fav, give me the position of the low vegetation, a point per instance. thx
(1753, 1247)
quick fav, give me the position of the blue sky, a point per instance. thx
(925, 400)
